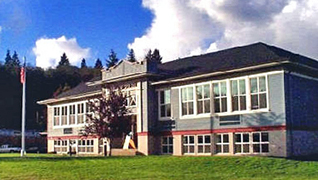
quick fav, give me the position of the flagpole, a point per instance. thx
(23, 110)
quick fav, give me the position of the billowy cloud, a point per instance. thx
(189, 27)
(48, 51)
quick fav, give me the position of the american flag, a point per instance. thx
(22, 74)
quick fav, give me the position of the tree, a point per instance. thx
(131, 56)
(112, 59)
(83, 63)
(156, 56)
(64, 61)
(148, 55)
(108, 119)
(15, 59)
(98, 64)
(8, 58)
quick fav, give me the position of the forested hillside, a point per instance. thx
(40, 84)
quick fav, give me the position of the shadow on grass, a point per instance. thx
(313, 157)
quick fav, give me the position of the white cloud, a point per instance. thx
(48, 51)
(188, 27)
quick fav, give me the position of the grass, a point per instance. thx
(53, 167)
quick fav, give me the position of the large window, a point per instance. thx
(222, 143)
(220, 97)
(204, 144)
(86, 146)
(80, 113)
(72, 114)
(164, 104)
(258, 92)
(260, 142)
(188, 144)
(167, 145)
(242, 143)
(56, 116)
(203, 98)
(60, 146)
(187, 100)
(64, 115)
(238, 95)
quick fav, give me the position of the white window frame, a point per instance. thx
(58, 116)
(188, 101)
(72, 108)
(88, 146)
(168, 144)
(258, 93)
(188, 145)
(227, 96)
(164, 104)
(242, 143)
(260, 143)
(204, 144)
(239, 94)
(202, 99)
(222, 143)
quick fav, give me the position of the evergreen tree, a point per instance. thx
(148, 55)
(83, 63)
(112, 59)
(8, 59)
(131, 56)
(156, 56)
(15, 59)
(64, 61)
(98, 64)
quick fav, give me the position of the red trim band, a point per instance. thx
(70, 137)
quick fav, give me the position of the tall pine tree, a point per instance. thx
(15, 59)
(131, 56)
(112, 59)
(148, 55)
(156, 56)
(8, 59)
(83, 63)
(98, 64)
(64, 61)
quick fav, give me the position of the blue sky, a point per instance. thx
(98, 25)
(42, 30)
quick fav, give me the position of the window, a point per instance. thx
(188, 144)
(167, 145)
(80, 113)
(64, 115)
(204, 143)
(187, 101)
(260, 142)
(131, 98)
(220, 97)
(238, 95)
(56, 116)
(222, 143)
(164, 103)
(60, 145)
(86, 146)
(203, 98)
(57, 146)
(72, 114)
(242, 143)
(258, 92)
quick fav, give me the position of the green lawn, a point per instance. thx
(56, 167)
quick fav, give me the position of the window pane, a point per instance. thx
(184, 109)
(223, 88)
(254, 88)
(256, 148)
(190, 93)
(226, 148)
(238, 148)
(264, 137)
(238, 138)
(216, 90)
(190, 108)
(162, 97)
(262, 100)
(164, 140)
(234, 87)
(235, 103)
(207, 148)
(162, 111)
(200, 139)
(165, 149)
(170, 149)
(246, 148)
(200, 107)
(256, 137)
(185, 139)
(207, 106)
(207, 139)
(242, 102)
(200, 149)
(218, 138)
(224, 104)
(225, 138)
(216, 105)
(170, 140)
(218, 149)
(191, 139)
(184, 94)
(262, 84)
(246, 138)
(265, 148)
(242, 86)
(199, 92)
(254, 101)
(168, 106)
(191, 149)
(206, 91)
(167, 96)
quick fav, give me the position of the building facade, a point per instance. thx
(251, 100)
